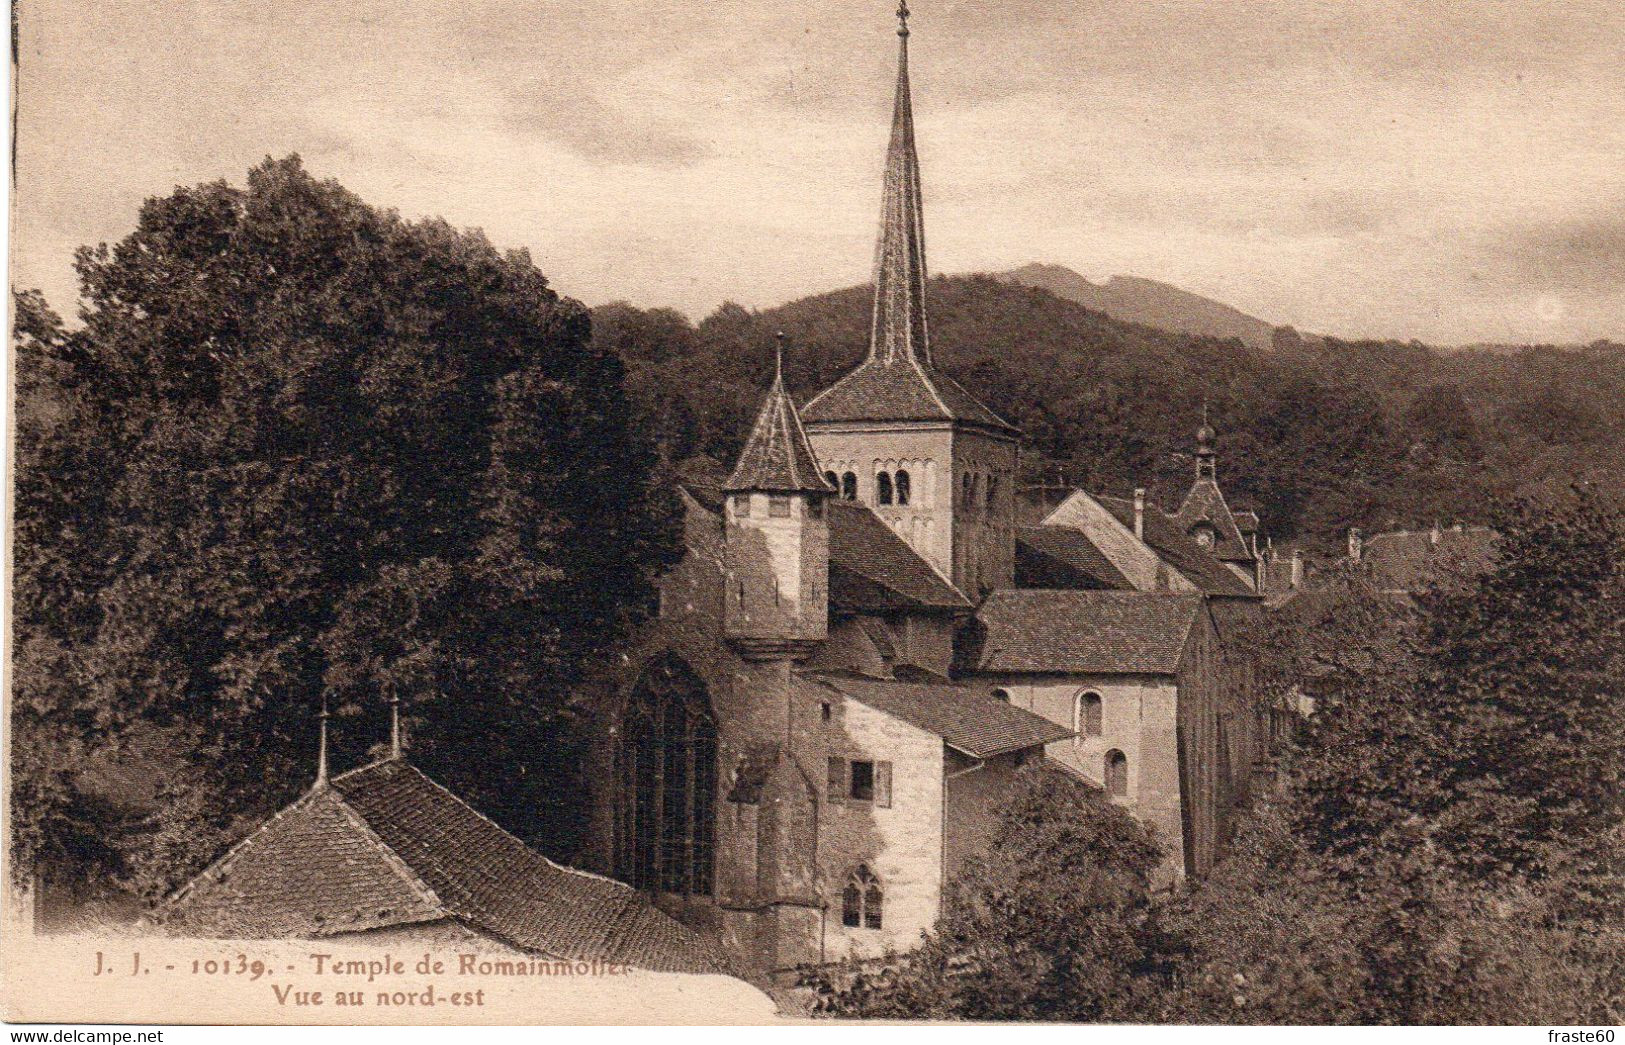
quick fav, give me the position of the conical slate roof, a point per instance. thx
(777, 457)
(897, 381)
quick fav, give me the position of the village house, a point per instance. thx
(384, 855)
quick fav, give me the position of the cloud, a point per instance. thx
(1417, 169)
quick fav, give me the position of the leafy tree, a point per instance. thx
(310, 450)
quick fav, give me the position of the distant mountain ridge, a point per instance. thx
(1134, 299)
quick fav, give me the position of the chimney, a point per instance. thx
(1297, 568)
(1139, 513)
(1356, 545)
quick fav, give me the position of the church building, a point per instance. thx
(831, 711)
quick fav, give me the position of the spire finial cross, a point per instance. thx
(902, 18)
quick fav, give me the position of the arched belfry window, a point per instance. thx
(902, 483)
(666, 777)
(1116, 773)
(1086, 718)
(883, 488)
(849, 486)
(861, 900)
(833, 480)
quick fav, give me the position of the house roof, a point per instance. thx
(1063, 557)
(873, 568)
(384, 845)
(1206, 503)
(1247, 522)
(777, 457)
(1081, 632)
(965, 717)
(1413, 560)
(1165, 537)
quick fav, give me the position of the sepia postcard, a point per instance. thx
(510, 525)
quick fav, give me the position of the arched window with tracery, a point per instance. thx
(1086, 716)
(861, 900)
(849, 486)
(904, 486)
(666, 774)
(1116, 773)
(883, 488)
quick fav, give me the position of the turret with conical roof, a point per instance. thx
(777, 545)
(897, 433)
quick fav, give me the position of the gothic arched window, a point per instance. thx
(833, 480)
(1116, 773)
(903, 491)
(1086, 718)
(861, 900)
(967, 490)
(883, 488)
(849, 487)
(992, 491)
(666, 778)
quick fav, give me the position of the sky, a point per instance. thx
(1448, 171)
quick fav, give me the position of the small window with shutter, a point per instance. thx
(837, 780)
(883, 784)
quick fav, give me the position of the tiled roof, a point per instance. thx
(965, 717)
(1082, 632)
(384, 845)
(1414, 560)
(1206, 503)
(900, 390)
(873, 568)
(1165, 537)
(776, 456)
(1063, 557)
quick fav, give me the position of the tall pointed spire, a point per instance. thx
(777, 457)
(897, 382)
(899, 330)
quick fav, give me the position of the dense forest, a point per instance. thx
(1317, 434)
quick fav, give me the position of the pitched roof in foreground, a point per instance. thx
(873, 568)
(1164, 536)
(384, 845)
(965, 717)
(1082, 632)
